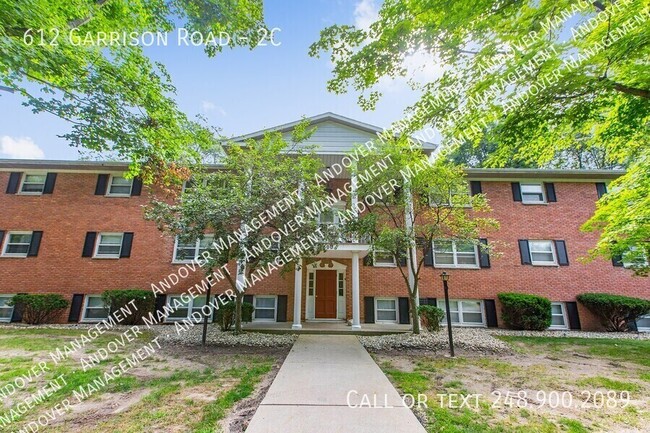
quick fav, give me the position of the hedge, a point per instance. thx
(431, 317)
(615, 312)
(225, 315)
(144, 301)
(38, 309)
(524, 311)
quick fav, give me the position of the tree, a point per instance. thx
(114, 96)
(259, 199)
(545, 73)
(430, 201)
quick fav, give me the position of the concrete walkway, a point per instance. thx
(321, 378)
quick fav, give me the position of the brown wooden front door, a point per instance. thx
(326, 294)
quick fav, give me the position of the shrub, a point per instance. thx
(431, 317)
(144, 300)
(225, 315)
(615, 311)
(524, 311)
(38, 309)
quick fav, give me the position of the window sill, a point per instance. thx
(29, 193)
(264, 320)
(558, 328)
(465, 325)
(11, 256)
(546, 265)
(118, 195)
(542, 203)
(105, 258)
(384, 265)
(455, 267)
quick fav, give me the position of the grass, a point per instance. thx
(168, 397)
(608, 384)
(544, 368)
(635, 351)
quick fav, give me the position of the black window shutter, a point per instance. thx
(524, 252)
(632, 326)
(550, 192)
(34, 244)
(516, 191)
(428, 301)
(136, 189)
(160, 302)
(404, 318)
(601, 189)
(17, 314)
(75, 308)
(369, 309)
(89, 244)
(127, 241)
(249, 299)
(484, 256)
(367, 260)
(490, 313)
(102, 184)
(2, 235)
(572, 313)
(14, 181)
(617, 260)
(428, 256)
(562, 256)
(50, 180)
(475, 187)
(281, 315)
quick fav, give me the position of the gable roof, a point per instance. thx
(364, 131)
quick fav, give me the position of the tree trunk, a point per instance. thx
(415, 317)
(238, 302)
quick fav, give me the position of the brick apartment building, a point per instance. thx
(76, 228)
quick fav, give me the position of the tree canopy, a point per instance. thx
(428, 201)
(116, 98)
(254, 208)
(546, 76)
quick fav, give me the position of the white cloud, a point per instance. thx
(21, 147)
(208, 106)
(366, 12)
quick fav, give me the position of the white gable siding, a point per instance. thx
(334, 137)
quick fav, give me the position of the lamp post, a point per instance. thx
(445, 278)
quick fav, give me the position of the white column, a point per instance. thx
(356, 323)
(297, 296)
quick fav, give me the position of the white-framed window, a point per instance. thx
(532, 193)
(634, 259)
(265, 308)
(95, 310)
(186, 308)
(17, 244)
(108, 246)
(464, 312)
(542, 253)
(119, 186)
(185, 252)
(340, 283)
(386, 310)
(643, 323)
(383, 258)
(558, 316)
(33, 183)
(455, 254)
(190, 183)
(6, 311)
(456, 195)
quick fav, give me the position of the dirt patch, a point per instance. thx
(238, 419)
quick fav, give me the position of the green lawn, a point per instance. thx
(583, 371)
(176, 389)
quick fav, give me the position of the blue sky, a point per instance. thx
(239, 90)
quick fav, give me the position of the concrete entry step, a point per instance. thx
(326, 328)
(326, 384)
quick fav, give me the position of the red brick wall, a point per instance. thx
(72, 210)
